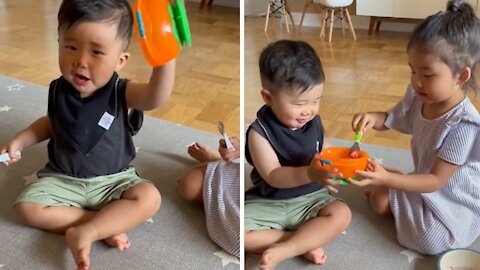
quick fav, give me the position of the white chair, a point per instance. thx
(274, 6)
(327, 13)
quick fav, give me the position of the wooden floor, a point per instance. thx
(369, 74)
(365, 75)
(207, 87)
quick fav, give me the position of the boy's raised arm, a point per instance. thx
(148, 96)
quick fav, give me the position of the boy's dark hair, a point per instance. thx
(114, 11)
(454, 36)
(289, 64)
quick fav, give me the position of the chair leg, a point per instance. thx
(284, 14)
(267, 16)
(289, 13)
(377, 28)
(307, 4)
(332, 18)
(202, 4)
(350, 24)
(342, 18)
(324, 21)
(210, 2)
(371, 25)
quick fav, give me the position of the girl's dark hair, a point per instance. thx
(289, 64)
(453, 35)
(114, 11)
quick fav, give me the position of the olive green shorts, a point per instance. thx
(287, 214)
(55, 189)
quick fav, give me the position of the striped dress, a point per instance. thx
(450, 217)
(221, 200)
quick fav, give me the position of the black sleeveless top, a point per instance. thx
(80, 146)
(294, 148)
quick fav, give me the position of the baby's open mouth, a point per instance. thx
(81, 77)
(81, 80)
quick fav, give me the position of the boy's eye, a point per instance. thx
(428, 75)
(70, 47)
(97, 52)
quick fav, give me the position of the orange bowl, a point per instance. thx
(155, 31)
(340, 160)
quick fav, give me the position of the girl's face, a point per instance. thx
(294, 110)
(432, 79)
(89, 53)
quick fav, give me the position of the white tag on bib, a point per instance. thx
(106, 120)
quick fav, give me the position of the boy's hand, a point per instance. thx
(229, 154)
(375, 174)
(323, 176)
(363, 122)
(11, 148)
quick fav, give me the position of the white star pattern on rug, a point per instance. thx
(15, 87)
(150, 220)
(5, 109)
(411, 255)
(137, 149)
(226, 258)
(30, 178)
(378, 160)
(1, 265)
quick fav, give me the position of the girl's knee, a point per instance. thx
(379, 201)
(183, 186)
(190, 186)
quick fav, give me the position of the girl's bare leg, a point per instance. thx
(203, 153)
(190, 185)
(332, 219)
(379, 201)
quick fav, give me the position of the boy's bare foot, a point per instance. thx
(79, 240)
(316, 256)
(203, 153)
(272, 257)
(119, 241)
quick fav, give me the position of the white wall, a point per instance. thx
(255, 7)
(359, 22)
(227, 3)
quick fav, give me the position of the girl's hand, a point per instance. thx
(322, 175)
(229, 154)
(374, 174)
(363, 122)
(12, 147)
